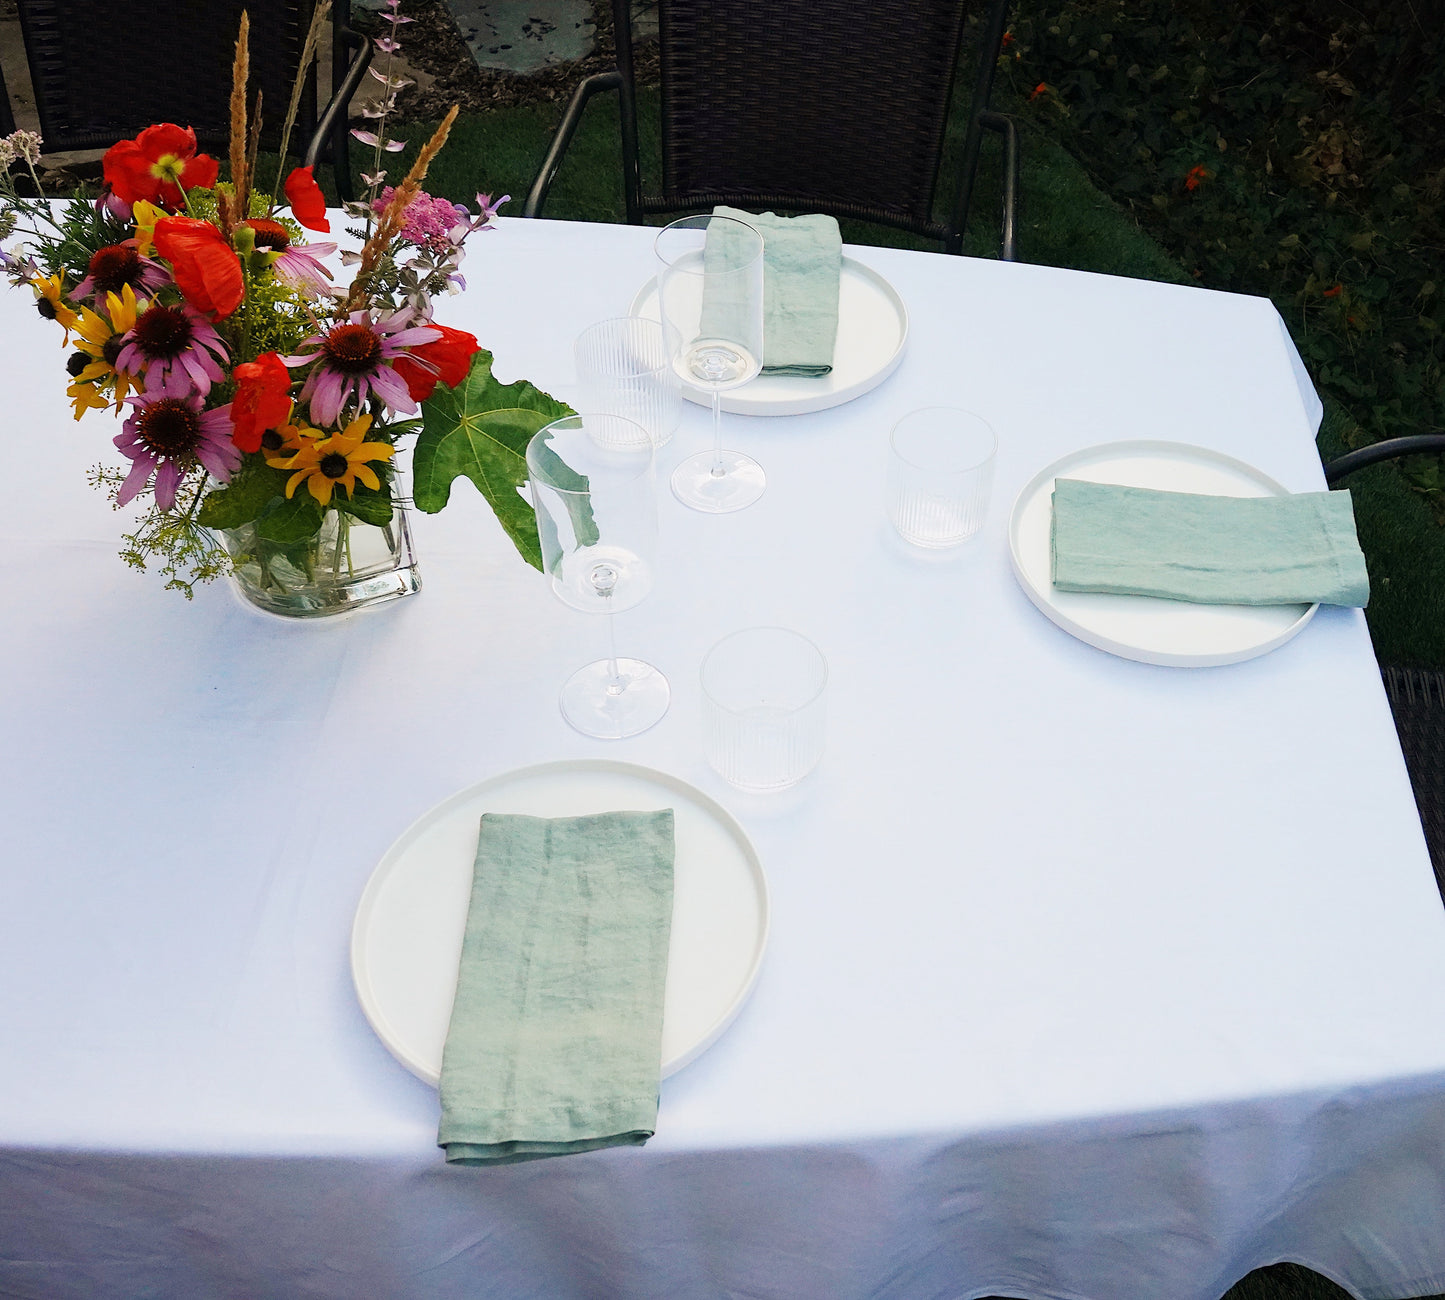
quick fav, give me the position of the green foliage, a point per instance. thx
(252, 488)
(481, 429)
(186, 552)
(366, 504)
(288, 521)
(1289, 150)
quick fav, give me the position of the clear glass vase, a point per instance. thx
(347, 565)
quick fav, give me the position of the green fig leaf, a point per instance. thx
(481, 429)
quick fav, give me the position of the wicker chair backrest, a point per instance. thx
(825, 105)
(104, 70)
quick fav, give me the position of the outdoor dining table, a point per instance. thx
(1085, 977)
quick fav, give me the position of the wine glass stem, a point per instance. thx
(717, 447)
(616, 682)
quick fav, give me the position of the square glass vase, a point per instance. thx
(347, 565)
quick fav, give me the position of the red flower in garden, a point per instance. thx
(205, 266)
(157, 165)
(1040, 89)
(262, 401)
(1008, 39)
(1334, 292)
(308, 204)
(447, 359)
(1196, 174)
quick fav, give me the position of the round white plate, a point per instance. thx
(1147, 628)
(872, 329)
(406, 940)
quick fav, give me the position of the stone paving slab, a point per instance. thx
(525, 35)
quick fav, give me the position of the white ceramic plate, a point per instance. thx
(872, 329)
(1147, 628)
(407, 936)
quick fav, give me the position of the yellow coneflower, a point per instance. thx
(325, 462)
(99, 384)
(145, 215)
(50, 302)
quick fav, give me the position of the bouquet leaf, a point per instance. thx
(481, 429)
(294, 519)
(368, 506)
(252, 488)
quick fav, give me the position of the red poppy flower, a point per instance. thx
(1334, 292)
(1040, 89)
(447, 359)
(262, 401)
(1196, 174)
(308, 204)
(1008, 39)
(205, 266)
(157, 164)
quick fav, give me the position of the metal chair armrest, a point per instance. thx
(1008, 128)
(596, 83)
(333, 125)
(1387, 450)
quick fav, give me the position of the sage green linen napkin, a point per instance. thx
(802, 263)
(555, 1040)
(1276, 550)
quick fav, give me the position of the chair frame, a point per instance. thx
(1390, 449)
(981, 119)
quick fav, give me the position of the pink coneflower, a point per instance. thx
(298, 264)
(353, 364)
(301, 265)
(176, 349)
(169, 437)
(115, 266)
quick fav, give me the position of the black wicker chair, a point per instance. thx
(88, 95)
(806, 105)
(1417, 696)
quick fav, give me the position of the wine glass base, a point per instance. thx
(592, 703)
(697, 486)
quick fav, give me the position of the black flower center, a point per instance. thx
(110, 350)
(352, 349)
(271, 440)
(112, 268)
(78, 362)
(170, 429)
(45, 307)
(270, 234)
(333, 465)
(163, 331)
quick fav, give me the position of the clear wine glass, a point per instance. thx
(710, 295)
(593, 490)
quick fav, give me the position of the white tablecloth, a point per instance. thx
(1086, 979)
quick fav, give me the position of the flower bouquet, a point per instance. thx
(261, 404)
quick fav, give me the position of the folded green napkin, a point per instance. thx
(555, 1040)
(802, 263)
(1276, 550)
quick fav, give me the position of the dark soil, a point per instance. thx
(433, 44)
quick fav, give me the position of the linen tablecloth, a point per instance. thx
(1086, 979)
